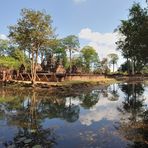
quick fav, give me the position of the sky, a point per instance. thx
(93, 21)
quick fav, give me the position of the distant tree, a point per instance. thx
(4, 47)
(71, 43)
(60, 52)
(113, 58)
(19, 55)
(9, 62)
(89, 57)
(49, 50)
(104, 66)
(77, 61)
(33, 32)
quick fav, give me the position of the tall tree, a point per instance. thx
(33, 32)
(89, 57)
(113, 58)
(58, 50)
(134, 32)
(71, 43)
(104, 65)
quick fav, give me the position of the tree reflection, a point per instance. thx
(29, 138)
(71, 114)
(135, 127)
(134, 101)
(114, 96)
(28, 120)
(90, 99)
(57, 108)
(29, 115)
(104, 92)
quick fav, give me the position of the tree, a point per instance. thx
(104, 66)
(33, 32)
(59, 51)
(78, 62)
(9, 62)
(4, 47)
(113, 59)
(89, 57)
(134, 35)
(90, 99)
(71, 43)
(125, 67)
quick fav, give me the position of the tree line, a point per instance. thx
(33, 39)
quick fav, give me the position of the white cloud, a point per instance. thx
(103, 43)
(4, 37)
(104, 109)
(79, 1)
(102, 38)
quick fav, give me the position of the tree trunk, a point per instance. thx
(133, 70)
(134, 66)
(32, 66)
(42, 56)
(113, 67)
(29, 54)
(70, 60)
(33, 69)
(128, 66)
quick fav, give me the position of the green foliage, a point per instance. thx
(78, 61)
(113, 58)
(71, 43)
(4, 47)
(32, 32)
(89, 57)
(60, 52)
(18, 55)
(103, 67)
(145, 69)
(9, 62)
(133, 43)
(126, 67)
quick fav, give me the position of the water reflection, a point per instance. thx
(118, 114)
(113, 90)
(135, 128)
(90, 99)
(134, 100)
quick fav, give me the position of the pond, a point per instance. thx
(105, 117)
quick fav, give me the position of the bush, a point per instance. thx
(9, 62)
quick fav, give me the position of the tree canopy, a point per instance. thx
(113, 58)
(32, 32)
(89, 57)
(134, 36)
(71, 43)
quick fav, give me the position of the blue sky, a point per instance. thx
(92, 20)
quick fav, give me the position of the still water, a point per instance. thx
(114, 116)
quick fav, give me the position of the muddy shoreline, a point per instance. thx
(68, 87)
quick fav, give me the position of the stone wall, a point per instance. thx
(84, 77)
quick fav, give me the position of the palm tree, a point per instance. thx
(113, 59)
